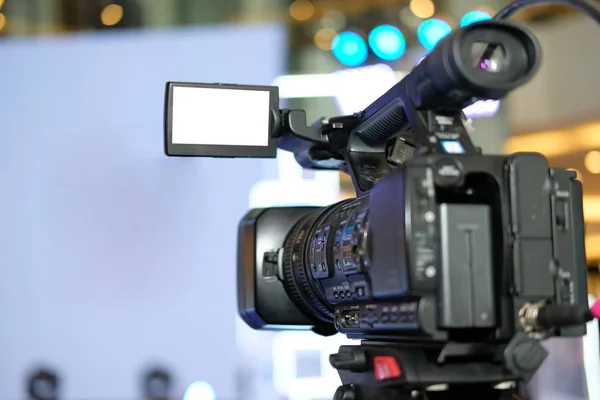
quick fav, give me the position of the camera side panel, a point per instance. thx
(569, 242)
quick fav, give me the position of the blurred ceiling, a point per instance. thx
(66, 15)
(545, 12)
(540, 12)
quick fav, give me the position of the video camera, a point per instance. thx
(450, 265)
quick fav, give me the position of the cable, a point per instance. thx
(587, 7)
(554, 315)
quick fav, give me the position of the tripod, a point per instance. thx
(391, 371)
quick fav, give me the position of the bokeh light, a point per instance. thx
(200, 391)
(324, 38)
(422, 8)
(2, 21)
(474, 16)
(592, 162)
(302, 10)
(431, 31)
(350, 49)
(111, 15)
(387, 42)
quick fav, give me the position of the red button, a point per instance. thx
(386, 367)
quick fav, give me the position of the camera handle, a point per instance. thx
(394, 371)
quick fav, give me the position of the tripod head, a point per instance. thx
(390, 371)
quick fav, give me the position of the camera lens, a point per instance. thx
(489, 57)
(323, 243)
(299, 270)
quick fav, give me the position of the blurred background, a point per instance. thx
(118, 263)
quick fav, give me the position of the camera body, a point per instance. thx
(444, 248)
(445, 253)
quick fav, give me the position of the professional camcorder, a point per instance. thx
(449, 265)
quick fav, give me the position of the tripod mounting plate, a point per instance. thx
(393, 371)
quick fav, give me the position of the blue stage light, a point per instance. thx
(349, 48)
(474, 16)
(387, 42)
(432, 31)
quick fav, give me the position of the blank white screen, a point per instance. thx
(212, 116)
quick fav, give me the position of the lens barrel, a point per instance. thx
(324, 243)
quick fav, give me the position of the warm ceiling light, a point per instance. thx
(2, 21)
(422, 8)
(557, 143)
(592, 246)
(324, 37)
(588, 135)
(548, 143)
(111, 15)
(302, 10)
(591, 209)
(592, 162)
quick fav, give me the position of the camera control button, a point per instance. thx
(448, 172)
(386, 367)
(370, 318)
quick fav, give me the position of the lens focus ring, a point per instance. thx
(295, 276)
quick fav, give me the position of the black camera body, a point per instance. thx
(445, 248)
(444, 255)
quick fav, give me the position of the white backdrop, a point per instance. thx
(114, 256)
